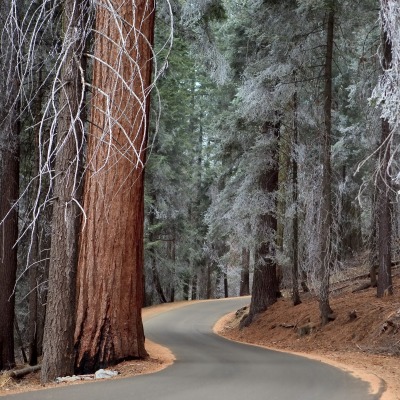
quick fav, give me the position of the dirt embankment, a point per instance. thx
(363, 339)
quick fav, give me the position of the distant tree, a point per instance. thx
(245, 273)
(110, 267)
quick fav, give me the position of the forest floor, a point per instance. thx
(364, 339)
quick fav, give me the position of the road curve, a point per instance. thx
(209, 367)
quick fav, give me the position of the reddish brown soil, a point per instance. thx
(368, 345)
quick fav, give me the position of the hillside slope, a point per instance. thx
(365, 337)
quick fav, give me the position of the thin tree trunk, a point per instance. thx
(156, 279)
(245, 273)
(384, 221)
(186, 286)
(326, 255)
(152, 239)
(110, 267)
(194, 287)
(383, 204)
(226, 288)
(295, 198)
(33, 300)
(208, 281)
(44, 255)
(58, 343)
(172, 253)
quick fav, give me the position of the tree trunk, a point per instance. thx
(194, 287)
(186, 286)
(9, 189)
(208, 280)
(9, 183)
(383, 204)
(58, 343)
(34, 257)
(265, 283)
(110, 268)
(19, 340)
(326, 201)
(226, 288)
(152, 242)
(245, 273)
(172, 253)
(295, 198)
(156, 278)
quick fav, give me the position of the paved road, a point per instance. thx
(209, 367)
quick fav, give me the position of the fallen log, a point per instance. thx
(362, 287)
(287, 326)
(19, 373)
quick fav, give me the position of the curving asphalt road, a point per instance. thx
(209, 367)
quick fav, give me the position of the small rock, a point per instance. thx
(105, 374)
(72, 378)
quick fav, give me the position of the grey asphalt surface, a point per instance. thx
(209, 367)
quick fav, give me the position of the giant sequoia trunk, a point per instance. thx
(58, 343)
(383, 203)
(110, 268)
(326, 200)
(265, 282)
(9, 187)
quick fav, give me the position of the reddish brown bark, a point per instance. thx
(110, 268)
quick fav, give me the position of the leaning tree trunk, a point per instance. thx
(58, 341)
(9, 184)
(383, 203)
(265, 283)
(326, 201)
(110, 268)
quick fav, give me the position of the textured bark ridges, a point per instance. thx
(110, 291)
(58, 343)
(9, 171)
(9, 184)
